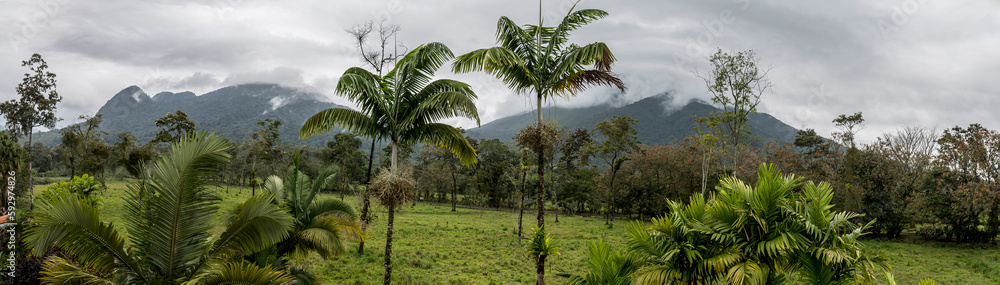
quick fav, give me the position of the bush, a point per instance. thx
(81, 186)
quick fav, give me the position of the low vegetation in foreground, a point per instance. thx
(469, 246)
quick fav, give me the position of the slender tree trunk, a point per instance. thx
(31, 188)
(388, 247)
(541, 165)
(541, 189)
(704, 173)
(540, 268)
(520, 217)
(454, 189)
(366, 202)
(555, 194)
(611, 201)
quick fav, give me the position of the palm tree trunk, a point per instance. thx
(388, 246)
(541, 169)
(393, 156)
(541, 189)
(540, 269)
(366, 201)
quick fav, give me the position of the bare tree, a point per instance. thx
(378, 58)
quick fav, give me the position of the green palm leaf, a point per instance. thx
(180, 208)
(244, 273)
(254, 225)
(60, 271)
(75, 226)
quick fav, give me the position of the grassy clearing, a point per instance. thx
(436, 246)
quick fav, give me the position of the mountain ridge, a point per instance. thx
(658, 123)
(231, 111)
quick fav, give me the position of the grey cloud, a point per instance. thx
(933, 68)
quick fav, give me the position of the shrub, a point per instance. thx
(83, 187)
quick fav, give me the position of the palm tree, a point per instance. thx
(674, 252)
(403, 107)
(756, 235)
(536, 60)
(321, 225)
(170, 214)
(835, 255)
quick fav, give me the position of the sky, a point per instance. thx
(930, 63)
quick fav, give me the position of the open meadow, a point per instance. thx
(436, 246)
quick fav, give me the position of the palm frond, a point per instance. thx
(76, 227)
(57, 270)
(327, 120)
(244, 273)
(446, 137)
(180, 209)
(253, 226)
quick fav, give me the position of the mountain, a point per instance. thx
(233, 112)
(658, 124)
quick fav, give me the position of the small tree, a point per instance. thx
(84, 148)
(542, 245)
(737, 83)
(849, 127)
(173, 126)
(620, 140)
(35, 108)
(344, 152)
(11, 153)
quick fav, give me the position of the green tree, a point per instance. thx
(403, 107)
(173, 126)
(620, 141)
(170, 214)
(849, 127)
(263, 151)
(496, 164)
(35, 108)
(84, 146)
(737, 83)
(537, 60)
(11, 153)
(322, 225)
(344, 152)
(707, 142)
(131, 156)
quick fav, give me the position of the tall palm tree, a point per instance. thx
(403, 107)
(536, 60)
(169, 216)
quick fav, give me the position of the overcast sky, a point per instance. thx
(901, 62)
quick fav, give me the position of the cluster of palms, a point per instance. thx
(169, 216)
(778, 231)
(403, 106)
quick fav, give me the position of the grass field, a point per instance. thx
(436, 246)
